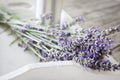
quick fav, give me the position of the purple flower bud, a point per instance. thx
(63, 27)
(118, 67)
(44, 54)
(21, 30)
(62, 33)
(49, 16)
(32, 41)
(39, 29)
(60, 39)
(118, 27)
(68, 34)
(113, 68)
(61, 58)
(81, 57)
(78, 19)
(27, 26)
(103, 69)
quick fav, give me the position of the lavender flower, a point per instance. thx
(79, 18)
(27, 26)
(91, 48)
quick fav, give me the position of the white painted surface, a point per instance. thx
(12, 57)
(63, 70)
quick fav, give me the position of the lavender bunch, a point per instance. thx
(41, 39)
(27, 34)
(91, 49)
(88, 47)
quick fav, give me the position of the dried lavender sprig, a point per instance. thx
(111, 30)
(22, 30)
(29, 37)
(35, 32)
(37, 40)
(31, 29)
(73, 22)
(47, 42)
(46, 37)
(32, 49)
(93, 42)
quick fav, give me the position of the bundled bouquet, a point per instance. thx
(88, 47)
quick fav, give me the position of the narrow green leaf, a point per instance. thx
(14, 41)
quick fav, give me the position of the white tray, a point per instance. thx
(61, 70)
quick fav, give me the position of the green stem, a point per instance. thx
(32, 49)
(45, 42)
(47, 37)
(43, 39)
